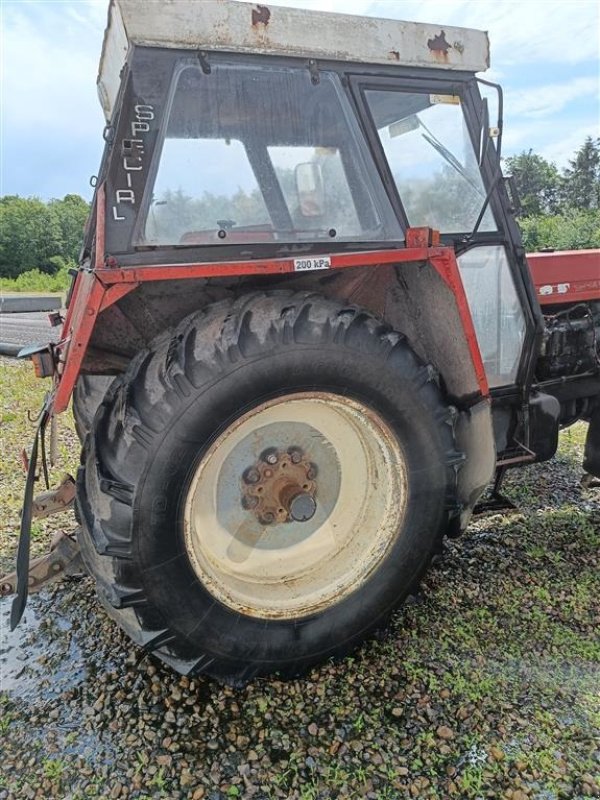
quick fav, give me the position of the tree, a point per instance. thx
(71, 213)
(573, 230)
(33, 234)
(582, 177)
(29, 235)
(538, 183)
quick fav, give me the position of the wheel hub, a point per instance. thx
(280, 487)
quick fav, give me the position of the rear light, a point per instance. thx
(43, 365)
(42, 358)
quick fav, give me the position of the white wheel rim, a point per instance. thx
(292, 569)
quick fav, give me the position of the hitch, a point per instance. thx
(64, 558)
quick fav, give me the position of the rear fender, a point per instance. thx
(417, 290)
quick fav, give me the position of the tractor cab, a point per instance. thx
(245, 146)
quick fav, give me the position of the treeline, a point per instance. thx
(40, 236)
(559, 209)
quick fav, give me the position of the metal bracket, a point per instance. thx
(64, 558)
(55, 500)
(497, 502)
(314, 71)
(204, 64)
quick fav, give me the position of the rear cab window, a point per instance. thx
(261, 154)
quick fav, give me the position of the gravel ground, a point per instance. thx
(486, 684)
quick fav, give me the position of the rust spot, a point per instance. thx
(261, 15)
(395, 55)
(270, 486)
(439, 44)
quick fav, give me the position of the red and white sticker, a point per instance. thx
(308, 264)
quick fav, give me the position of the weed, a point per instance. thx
(158, 779)
(53, 768)
(471, 780)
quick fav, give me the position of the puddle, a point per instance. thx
(19, 649)
(42, 658)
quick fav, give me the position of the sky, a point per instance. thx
(545, 53)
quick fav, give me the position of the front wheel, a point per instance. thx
(265, 485)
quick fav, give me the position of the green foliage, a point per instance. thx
(40, 236)
(538, 183)
(572, 230)
(559, 211)
(36, 281)
(582, 178)
(543, 190)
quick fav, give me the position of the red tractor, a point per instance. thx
(304, 336)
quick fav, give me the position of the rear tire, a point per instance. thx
(88, 394)
(202, 405)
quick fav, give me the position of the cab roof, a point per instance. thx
(231, 26)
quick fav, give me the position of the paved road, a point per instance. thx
(27, 329)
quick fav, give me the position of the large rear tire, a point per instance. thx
(88, 394)
(265, 485)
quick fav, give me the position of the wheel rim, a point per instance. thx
(295, 505)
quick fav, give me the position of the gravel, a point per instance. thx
(486, 684)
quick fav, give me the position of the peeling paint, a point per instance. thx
(438, 44)
(261, 15)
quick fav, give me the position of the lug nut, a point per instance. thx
(312, 472)
(267, 518)
(251, 475)
(295, 453)
(270, 456)
(249, 501)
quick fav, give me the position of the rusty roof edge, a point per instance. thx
(232, 26)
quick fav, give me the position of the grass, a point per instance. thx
(22, 396)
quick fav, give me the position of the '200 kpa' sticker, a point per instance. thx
(307, 264)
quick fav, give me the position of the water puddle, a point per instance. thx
(43, 658)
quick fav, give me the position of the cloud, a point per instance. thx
(556, 142)
(562, 150)
(51, 120)
(521, 31)
(544, 101)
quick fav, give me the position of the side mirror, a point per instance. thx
(309, 185)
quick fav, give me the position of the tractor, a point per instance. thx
(304, 337)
